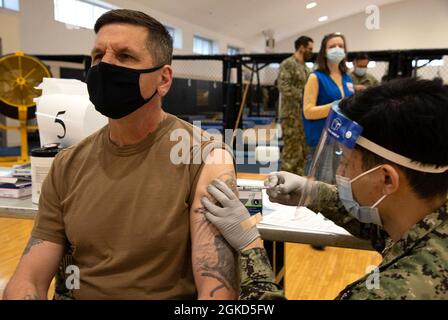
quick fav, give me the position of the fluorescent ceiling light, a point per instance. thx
(324, 18)
(311, 5)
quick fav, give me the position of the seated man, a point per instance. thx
(120, 201)
(392, 188)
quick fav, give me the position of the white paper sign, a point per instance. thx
(64, 112)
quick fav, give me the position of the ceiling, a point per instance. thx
(246, 19)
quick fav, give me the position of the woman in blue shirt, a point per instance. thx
(330, 82)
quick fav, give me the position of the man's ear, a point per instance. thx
(391, 179)
(166, 80)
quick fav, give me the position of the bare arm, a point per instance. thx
(34, 273)
(214, 261)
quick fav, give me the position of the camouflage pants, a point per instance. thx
(294, 145)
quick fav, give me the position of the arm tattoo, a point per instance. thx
(217, 259)
(32, 242)
(229, 179)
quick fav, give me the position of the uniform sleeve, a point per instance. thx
(415, 277)
(310, 108)
(354, 79)
(329, 204)
(373, 80)
(376, 286)
(286, 84)
(257, 277)
(49, 224)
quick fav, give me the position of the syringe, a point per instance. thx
(252, 188)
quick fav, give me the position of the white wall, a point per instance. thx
(41, 34)
(9, 31)
(410, 24)
(10, 35)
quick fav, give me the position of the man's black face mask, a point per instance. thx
(115, 91)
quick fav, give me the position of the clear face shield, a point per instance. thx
(333, 153)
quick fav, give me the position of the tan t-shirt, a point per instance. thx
(125, 213)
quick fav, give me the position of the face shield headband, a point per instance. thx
(349, 136)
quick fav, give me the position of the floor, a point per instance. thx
(310, 274)
(13, 238)
(321, 275)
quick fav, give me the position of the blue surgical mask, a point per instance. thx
(335, 55)
(360, 72)
(361, 213)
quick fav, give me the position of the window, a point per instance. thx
(424, 62)
(171, 31)
(80, 13)
(310, 65)
(202, 45)
(233, 50)
(10, 4)
(176, 34)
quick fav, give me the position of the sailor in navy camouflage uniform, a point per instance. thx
(407, 117)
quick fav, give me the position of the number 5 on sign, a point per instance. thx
(61, 122)
(65, 115)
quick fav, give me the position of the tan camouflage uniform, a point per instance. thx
(415, 267)
(366, 80)
(291, 83)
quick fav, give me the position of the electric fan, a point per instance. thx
(19, 76)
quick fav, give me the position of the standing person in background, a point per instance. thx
(329, 83)
(292, 78)
(361, 78)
